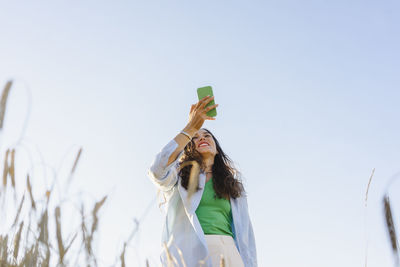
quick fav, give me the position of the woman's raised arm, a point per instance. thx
(161, 171)
(197, 116)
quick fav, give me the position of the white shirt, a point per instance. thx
(182, 230)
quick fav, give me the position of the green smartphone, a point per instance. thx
(203, 92)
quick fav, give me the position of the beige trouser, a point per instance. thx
(223, 245)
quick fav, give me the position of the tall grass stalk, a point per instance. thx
(391, 229)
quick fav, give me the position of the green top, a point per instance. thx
(214, 213)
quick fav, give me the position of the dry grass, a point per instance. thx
(169, 256)
(6, 168)
(29, 240)
(17, 240)
(369, 183)
(29, 187)
(78, 156)
(11, 169)
(193, 178)
(366, 218)
(34, 243)
(3, 102)
(181, 257)
(222, 261)
(391, 229)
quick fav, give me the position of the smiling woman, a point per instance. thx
(214, 221)
(207, 152)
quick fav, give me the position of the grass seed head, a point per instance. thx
(3, 102)
(390, 224)
(76, 161)
(28, 185)
(12, 168)
(5, 169)
(222, 261)
(96, 209)
(48, 193)
(193, 177)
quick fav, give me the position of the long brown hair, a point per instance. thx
(226, 182)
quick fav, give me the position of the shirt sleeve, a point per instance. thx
(252, 251)
(162, 175)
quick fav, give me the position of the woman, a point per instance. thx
(214, 219)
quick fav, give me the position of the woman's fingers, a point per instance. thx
(211, 107)
(198, 111)
(208, 100)
(201, 101)
(205, 101)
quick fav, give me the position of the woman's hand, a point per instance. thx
(197, 116)
(198, 113)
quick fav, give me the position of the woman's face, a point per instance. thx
(204, 143)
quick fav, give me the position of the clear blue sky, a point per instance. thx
(309, 105)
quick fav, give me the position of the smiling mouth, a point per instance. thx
(203, 145)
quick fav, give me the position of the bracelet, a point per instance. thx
(187, 135)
